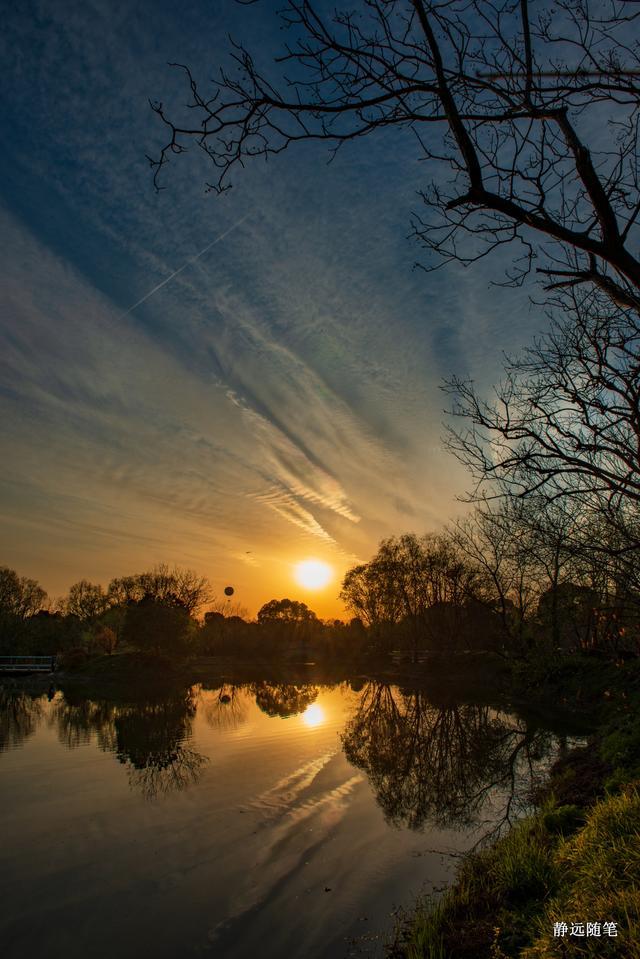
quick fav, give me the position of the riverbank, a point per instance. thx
(476, 678)
(574, 860)
(479, 679)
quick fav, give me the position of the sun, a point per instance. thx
(313, 573)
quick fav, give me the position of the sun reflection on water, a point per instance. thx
(313, 716)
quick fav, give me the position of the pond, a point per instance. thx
(264, 819)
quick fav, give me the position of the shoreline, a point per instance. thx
(575, 859)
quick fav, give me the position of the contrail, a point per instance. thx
(185, 265)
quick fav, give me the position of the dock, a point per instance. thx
(27, 664)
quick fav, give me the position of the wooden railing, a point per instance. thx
(27, 664)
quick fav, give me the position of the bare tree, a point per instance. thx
(527, 116)
(565, 420)
(164, 585)
(491, 542)
(548, 535)
(19, 596)
(86, 600)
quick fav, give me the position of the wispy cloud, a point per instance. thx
(277, 390)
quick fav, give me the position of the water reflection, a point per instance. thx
(78, 720)
(225, 707)
(20, 714)
(150, 737)
(446, 764)
(279, 846)
(313, 716)
(441, 764)
(151, 741)
(282, 699)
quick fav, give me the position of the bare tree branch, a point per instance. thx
(512, 99)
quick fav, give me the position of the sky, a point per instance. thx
(278, 399)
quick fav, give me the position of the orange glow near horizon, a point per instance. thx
(313, 574)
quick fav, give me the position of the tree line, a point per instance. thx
(513, 577)
(164, 612)
(517, 577)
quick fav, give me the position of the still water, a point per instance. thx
(271, 820)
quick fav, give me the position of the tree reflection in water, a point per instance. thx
(442, 764)
(151, 743)
(282, 699)
(78, 721)
(224, 708)
(20, 714)
(450, 764)
(149, 737)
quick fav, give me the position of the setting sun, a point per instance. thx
(313, 573)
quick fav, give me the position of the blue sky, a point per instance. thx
(277, 399)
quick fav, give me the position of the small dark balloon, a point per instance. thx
(228, 591)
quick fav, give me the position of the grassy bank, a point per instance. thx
(576, 859)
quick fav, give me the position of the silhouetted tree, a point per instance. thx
(19, 597)
(511, 99)
(47, 633)
(365, 591)
(287, 622)
(487, 537)
(163, 584)
(86, 600)
(159, 627)
(407, 577)
(564, 423)
(212, 634)
(126, 589)
(288, 611)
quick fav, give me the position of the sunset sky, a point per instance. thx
(275, 401)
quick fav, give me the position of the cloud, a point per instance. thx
(283, 387)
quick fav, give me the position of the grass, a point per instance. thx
(498, 894)
(599, 880)
(576, 860)
(555, 866)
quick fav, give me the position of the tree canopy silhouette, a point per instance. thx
(526, 115)
(20, 597)
(289, 611)
(564, 423)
